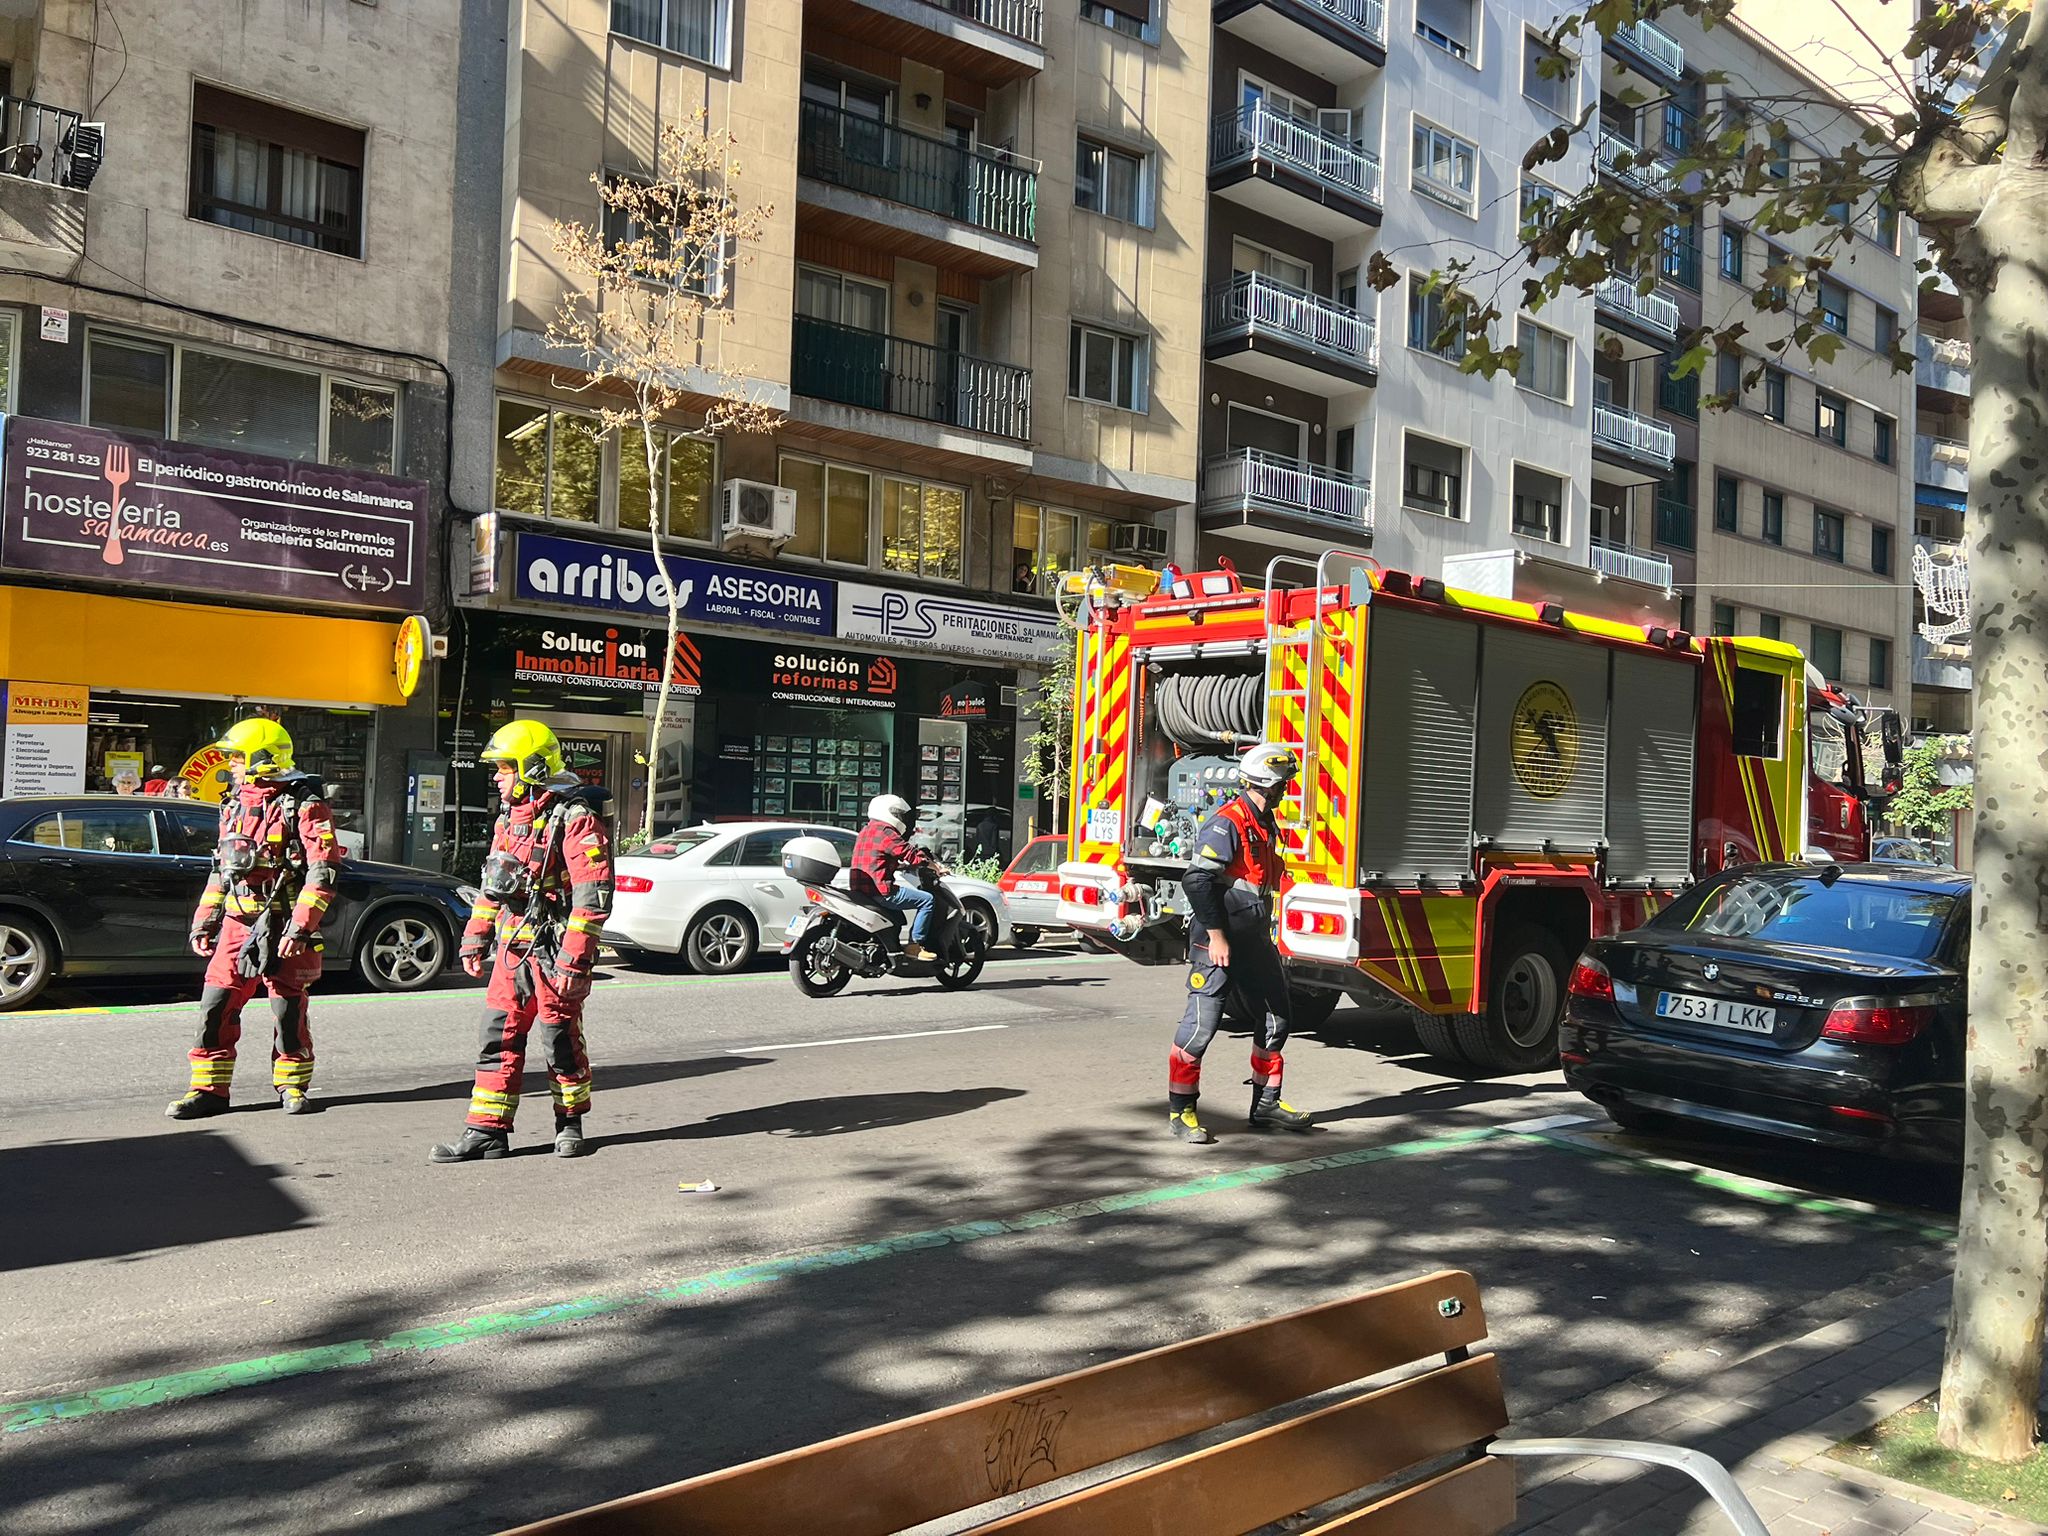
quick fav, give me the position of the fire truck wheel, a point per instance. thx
(1524, 1005)
(1311, 1007)
(1439, 1038)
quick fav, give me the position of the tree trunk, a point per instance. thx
(1991, 1378)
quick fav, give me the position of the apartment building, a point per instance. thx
(977, 309)
(1941, 485)
(225, 268)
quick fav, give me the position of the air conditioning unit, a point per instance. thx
(1137, 539)
(756, 511)
(86, 144)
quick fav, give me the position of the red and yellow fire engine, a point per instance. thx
(1486, 783)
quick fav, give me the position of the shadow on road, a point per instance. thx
(836, 1116)
(630, 1075)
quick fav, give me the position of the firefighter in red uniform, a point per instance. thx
(546, 891)
(1230, 884)
(273, 875)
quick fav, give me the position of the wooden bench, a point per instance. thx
(1424, 1445)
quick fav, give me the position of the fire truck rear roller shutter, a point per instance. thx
(1415, 806)
(1650, 773)
(1542, 743)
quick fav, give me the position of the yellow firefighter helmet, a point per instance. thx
(264, 746)
(529, 746)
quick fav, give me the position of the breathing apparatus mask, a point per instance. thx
(506, 877)
(239, 856)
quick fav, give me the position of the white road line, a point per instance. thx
(805, 1045)
(1548, 1123)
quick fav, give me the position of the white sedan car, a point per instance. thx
(709, 893)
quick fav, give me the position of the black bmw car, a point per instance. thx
(104, 885)
(1822, 1003)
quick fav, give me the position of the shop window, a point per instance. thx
(7, 340)
(270, 171)
(923, 527)
(687, 473)
(832, 503)
(127, 385)
(241, 403)
(362, 426)
(550, 463)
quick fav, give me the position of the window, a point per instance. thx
(1675, 518)
(1109, 181)
(1679, 254)
(698, 29)
(1829, 537)
(127, 385)
(1728, 372)
(923, 527)
(1344, 450)
(1447, 24)
(1778, 164)
(686, 484)
(1831, 417)
(274, 172)
(839, 299)
(1774, 394)
(99, 830)
(1882, 431)
(1679, 396)
(1548, 75)
(7, 353)
(1727, 503)
(1887, 330)
(1426, 321)
(1131, 23)
(832, 503)
(1885, 218)
(1107, 367)
(1724, 619)
(1539, 203)
(1880, 662)
(1824, 650)
(237, 402)
(1842, 212)
(1774, 517)
(1445, 167)
(1539, 505)
(1732, 238)
(697, 270)
(1770, 626)
(1881, 551)
(1045, 541)
(1774, 259)
(1546, 367)
(1834, 307)
(1757, 717)
(550, 462)
(1433, 476)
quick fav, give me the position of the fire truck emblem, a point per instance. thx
(1543, 740)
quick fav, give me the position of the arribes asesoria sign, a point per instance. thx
(78, 502)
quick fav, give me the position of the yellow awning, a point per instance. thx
(140, 646)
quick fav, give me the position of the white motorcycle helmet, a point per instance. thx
(893, 809)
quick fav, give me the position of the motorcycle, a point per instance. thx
(840, 936)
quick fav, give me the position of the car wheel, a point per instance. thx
(28, 959)
(959, 968)
(402, 950)
(981, 918)
(1023, 938)
(1311, 1007)
(814, 975)
(720, 941)
(1438, 1038)
(1524, 1005)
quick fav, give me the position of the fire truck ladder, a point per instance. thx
(1297, 649)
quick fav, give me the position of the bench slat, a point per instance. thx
(897, 1475)
(1243, 1484)
(1477, 1499)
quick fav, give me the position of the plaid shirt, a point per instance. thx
(878, 853)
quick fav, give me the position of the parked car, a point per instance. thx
(1821, 1003)
(104, 885)
(1031, 889)
(1905, 850)
(709, 893)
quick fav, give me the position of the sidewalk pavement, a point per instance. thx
(1770, 1419)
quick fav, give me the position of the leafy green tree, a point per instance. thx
(1923, 802)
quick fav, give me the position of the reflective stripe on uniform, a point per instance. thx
(572, 1095)
(211, 1072)
(287, 1073)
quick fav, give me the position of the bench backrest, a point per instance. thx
(886, 1479)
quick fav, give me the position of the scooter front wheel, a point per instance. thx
(963, 962)
(813, 973)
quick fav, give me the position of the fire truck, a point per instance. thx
(1486, 783)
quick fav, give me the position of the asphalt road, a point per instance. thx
(268, 1324)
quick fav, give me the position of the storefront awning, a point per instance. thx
(139, 646)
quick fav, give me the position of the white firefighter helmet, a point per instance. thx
(1268, 766)
(893, 809)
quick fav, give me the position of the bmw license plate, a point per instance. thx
(1719, 1011)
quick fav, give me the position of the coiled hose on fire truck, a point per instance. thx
(1218, 710)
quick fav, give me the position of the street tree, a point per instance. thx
(1923, 802)
(1959, 145)
(645, 319)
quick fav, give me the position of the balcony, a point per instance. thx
(915, 195)
(992, 41)
(1333, 38)
(1637, 448)
(46, 164)
(1629, 564)
(1943, 366)
(1651, 46)
(1942, 464)
(1652, 315)
(1676, 522)
(1290, 170)
(1941, 666)
(1633, 165)
(892, 374)
(1289, 335)
(1285, 502)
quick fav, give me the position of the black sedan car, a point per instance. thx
(1822, 1003)
(105, 885)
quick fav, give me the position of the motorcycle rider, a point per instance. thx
(878, 853)
(258, 921)
(545, 894)
(1230, 884)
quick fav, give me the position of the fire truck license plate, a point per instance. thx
(1747, 1017)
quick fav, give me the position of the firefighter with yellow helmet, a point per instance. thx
(545, 893)
(258, 922)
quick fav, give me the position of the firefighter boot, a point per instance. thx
(474, 1146)
(1187, 1128)
(198, 1106)
(294, 1100)
(1269, 1110)
(569, 1140)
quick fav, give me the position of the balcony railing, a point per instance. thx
(1253, 304)
(1653, 43)
(1942, 462)
(988, 190)
(1368, 18)
(1021, 19)
(39, 143)
(1657, 311)
(1637, 436)
(1257, 132)
(1633, 163)
(1630, 564)
(1251, 479)
(1676, 522)
(845, 364)
(1944, 364)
